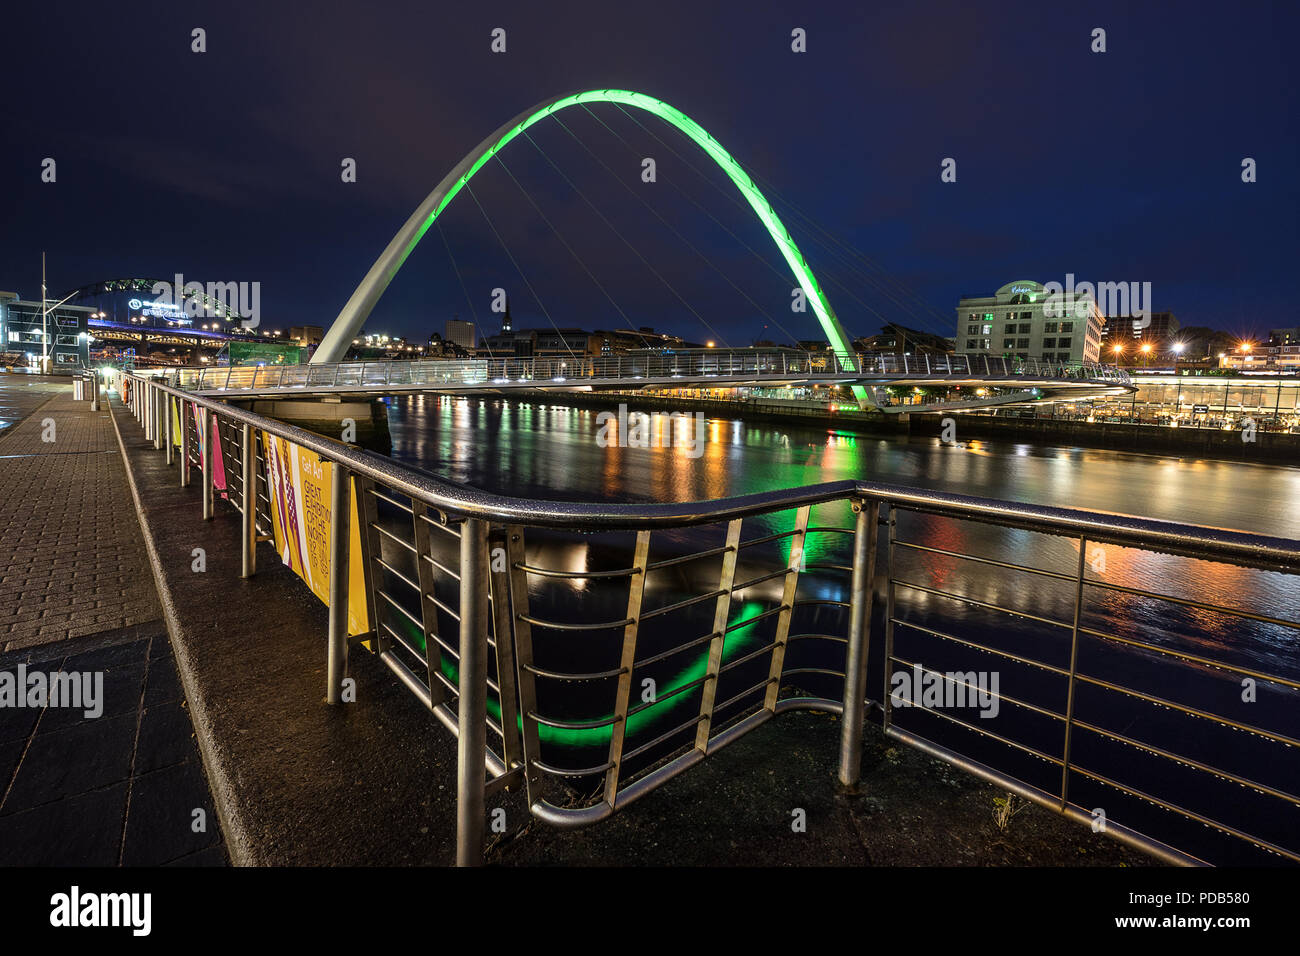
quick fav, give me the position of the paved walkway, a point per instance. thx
(121, 782)
(72, 562)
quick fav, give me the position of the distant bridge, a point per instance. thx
(696, 368)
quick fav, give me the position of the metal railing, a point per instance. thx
(687, 366)
(607, 648)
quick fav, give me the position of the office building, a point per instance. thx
(1024, 320)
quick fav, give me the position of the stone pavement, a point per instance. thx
(72, 562)
(68, 781)
(77, 599)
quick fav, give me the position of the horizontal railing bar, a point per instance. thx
(575, 575)
(1255, 785)
(454, 532)
(1010, 700)
(737, 625)
(1200, 605)
(560, 626)
(688, 602)
(573, 725)
(765, 649)
(397, 605)
(778, 573)
(973, 602)
(669, 695)
(560, 772)
(662, 738)
(1189, 814)
(765, 539)
(413, 585)
(1010, 566)
(394, 503)
(687, 558)
(1191, 711)
(737, 698)
(388, 534)
(1019, 659)
(1193, 658)
(986, 733)
(1198, 541)
(558, 675)
(442, 567)
(817, 637)
(680, 648)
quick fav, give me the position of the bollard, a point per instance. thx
(471, 751)
(340, 528)
(855, 668)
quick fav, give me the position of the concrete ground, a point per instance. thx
(77, 597)
(373, 782)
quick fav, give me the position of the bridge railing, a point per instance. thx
(605, 648)
(690, 365)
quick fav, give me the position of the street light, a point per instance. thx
(1146, 353)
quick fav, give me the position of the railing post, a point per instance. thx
(248, 501)
(185, 443)
(1074, 663)
(865, 532)
(471, 761)
(340, 529)
(206, 420)
(157, 418)
(167, 425)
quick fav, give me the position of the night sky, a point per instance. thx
(225, 165)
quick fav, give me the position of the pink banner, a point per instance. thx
(218, 464)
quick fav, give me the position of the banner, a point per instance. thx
(300, 485)
(218, 463)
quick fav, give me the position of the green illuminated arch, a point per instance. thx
(357, 309)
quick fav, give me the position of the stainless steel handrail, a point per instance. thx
(1254, 550)
(497, 601)
(703, 364)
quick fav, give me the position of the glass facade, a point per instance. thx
(26, 336)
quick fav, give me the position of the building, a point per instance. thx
(1126, 331)
(1024, 320)
(900, 340)
(307, 335)
(1284, 336)
(462, 333)
(27, 336)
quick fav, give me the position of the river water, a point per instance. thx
(544, 450)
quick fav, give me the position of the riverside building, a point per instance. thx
(1013, 323)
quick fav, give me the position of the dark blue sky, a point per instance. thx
(1122, 166)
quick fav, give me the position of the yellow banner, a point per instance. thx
(300, 485)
